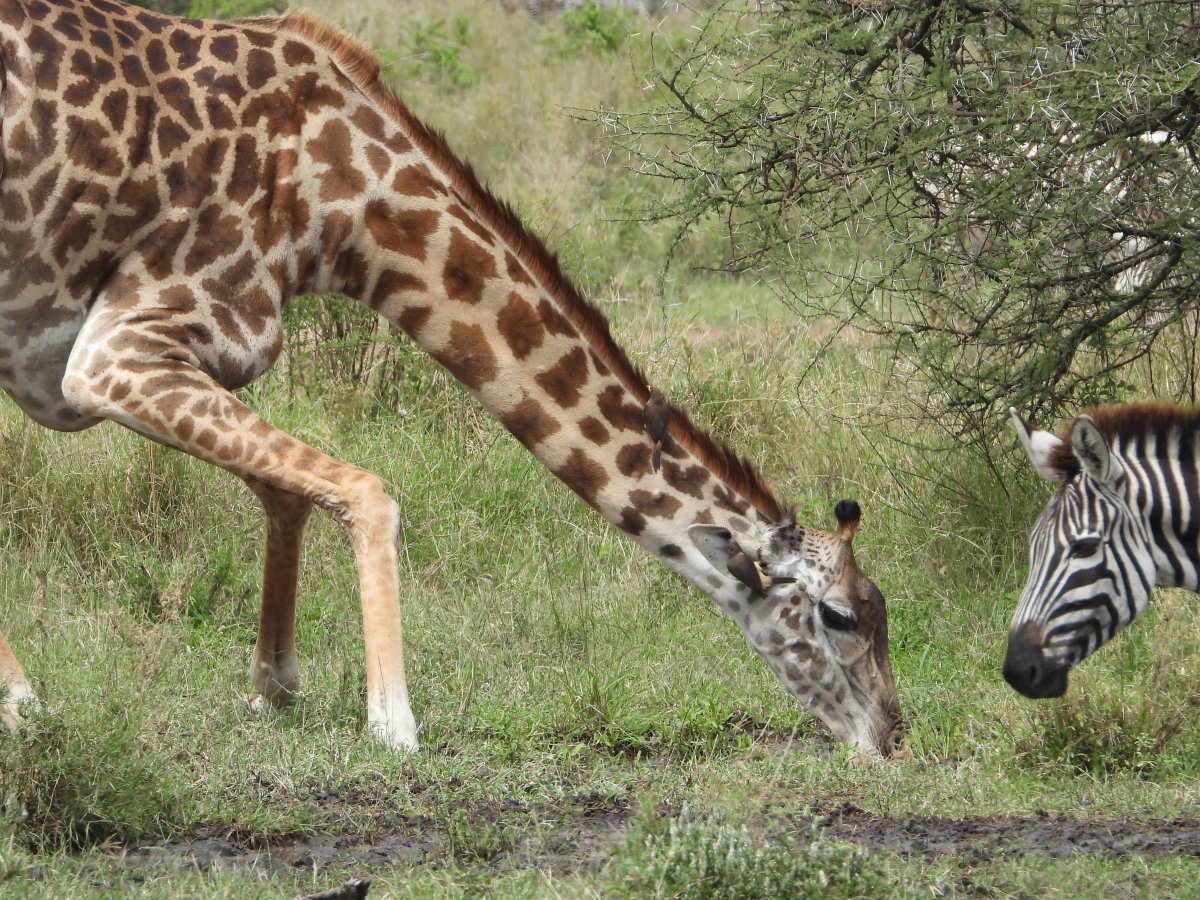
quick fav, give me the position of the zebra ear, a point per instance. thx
(1038, 446)
(1091, 449)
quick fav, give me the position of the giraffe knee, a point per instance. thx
(368, 512)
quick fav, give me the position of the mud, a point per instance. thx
(587, 837)
(987, 837)
(582, 836)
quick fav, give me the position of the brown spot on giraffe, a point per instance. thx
(392, 284)
(565, 380)
(341, 180)
(380, 160)
(156, 57)
(619, 412)
(260, 68)
(401, 231)
(689, 480)
(655, 504)
(413, 318)
(186, 45)
(93, 73)
(468, 268)
(417, 181)
(727, 500)
(190, 182)
(217, 236)
(633, 460)
(529, 422)
(466, 219)
(224, 47)
(468, 355)
(516, 271)
(554, 321)
(583, 475)
(593, 429)
(520, 326)
(246, 170)
(601, 369)
(115, 107)
(631, 521)
(171, 135)
(91, 148)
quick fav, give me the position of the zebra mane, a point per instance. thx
(1125, 420)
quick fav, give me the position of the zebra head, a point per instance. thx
(1091, 564)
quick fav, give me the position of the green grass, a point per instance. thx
(592, 727)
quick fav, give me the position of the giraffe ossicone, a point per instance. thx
(169, 183)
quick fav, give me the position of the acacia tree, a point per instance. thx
(1004, 192)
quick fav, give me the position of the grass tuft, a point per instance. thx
(84, 778)
(692, 855)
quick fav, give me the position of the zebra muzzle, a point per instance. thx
(1028, 669)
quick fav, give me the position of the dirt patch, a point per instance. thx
(986, 837)
(582, 835)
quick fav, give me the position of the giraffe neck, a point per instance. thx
(435, 254)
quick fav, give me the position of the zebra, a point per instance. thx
(1123, 519)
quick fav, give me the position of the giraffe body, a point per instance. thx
(168, 184)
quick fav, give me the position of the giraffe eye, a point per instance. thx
(837, 619)
(1084, 546)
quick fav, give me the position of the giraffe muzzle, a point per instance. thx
(1027, 668)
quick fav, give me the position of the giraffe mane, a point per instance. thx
(1125, 420)
(362, 68)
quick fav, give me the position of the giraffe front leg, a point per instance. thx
(273, 669)
(15, 693)
(126, 368)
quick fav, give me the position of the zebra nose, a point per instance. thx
(1027, 668)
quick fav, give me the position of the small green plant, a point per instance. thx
(690, 855)
(594, 28)
(437, 47)
(473, 841)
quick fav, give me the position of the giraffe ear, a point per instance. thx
(721, 549)
(1038, 445)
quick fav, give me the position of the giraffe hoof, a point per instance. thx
(258, 703)
(399, 739)
(16, 708)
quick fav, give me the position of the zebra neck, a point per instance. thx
(1164, 491)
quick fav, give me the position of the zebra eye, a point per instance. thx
(1084, 546)
(837, 619)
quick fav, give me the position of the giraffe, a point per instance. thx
(168, 184)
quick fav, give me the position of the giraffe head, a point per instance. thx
(816, 618)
